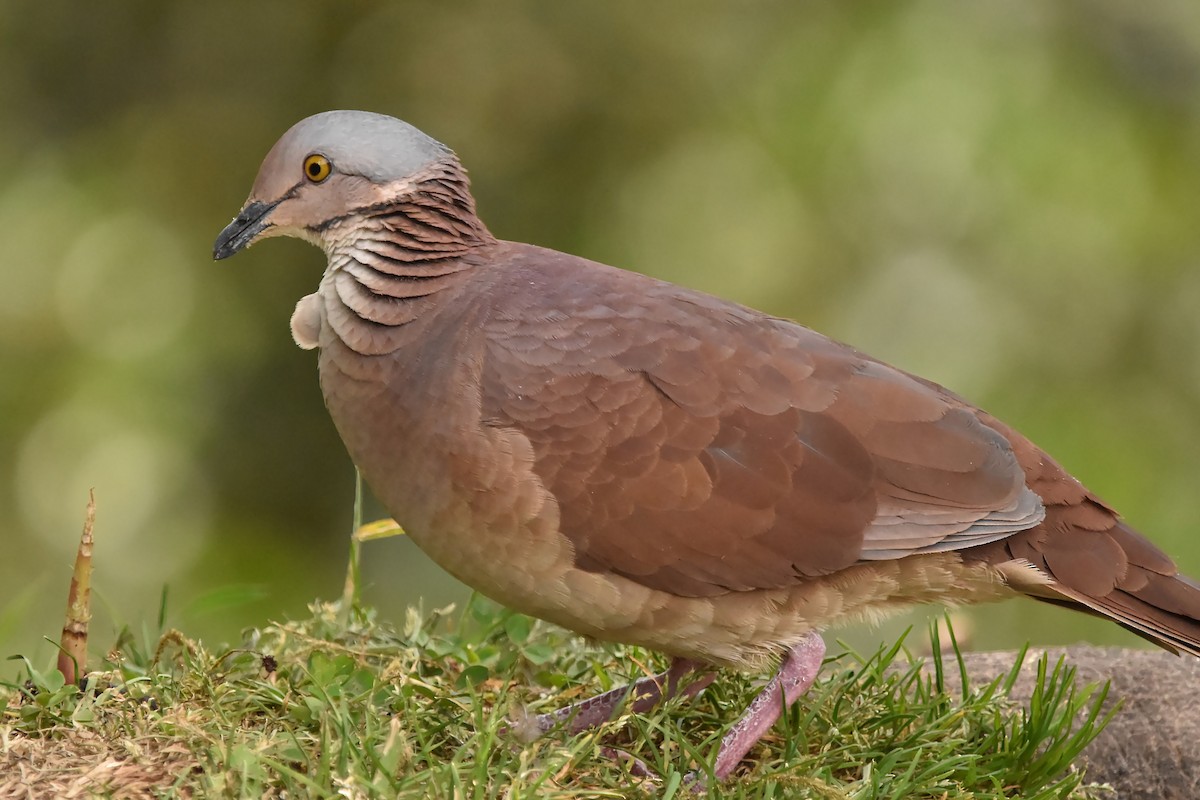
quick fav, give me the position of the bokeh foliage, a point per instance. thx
(1000, 196)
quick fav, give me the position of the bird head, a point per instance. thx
(328, 168)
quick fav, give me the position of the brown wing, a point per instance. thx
(699, 447)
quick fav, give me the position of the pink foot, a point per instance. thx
(796, 673)
(643, 695)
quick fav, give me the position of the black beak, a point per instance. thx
(241, 232)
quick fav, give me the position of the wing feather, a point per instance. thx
(699, 447)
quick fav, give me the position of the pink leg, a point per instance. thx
(646, 693)
(796, 673)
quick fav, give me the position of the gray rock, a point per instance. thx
(1151, 749)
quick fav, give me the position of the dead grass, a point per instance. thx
(79, 762)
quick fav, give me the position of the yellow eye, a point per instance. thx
(317, 168)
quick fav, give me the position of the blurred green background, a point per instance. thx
(1000, 196)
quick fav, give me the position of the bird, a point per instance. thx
(644, 463)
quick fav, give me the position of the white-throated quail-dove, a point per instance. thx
(644, 463)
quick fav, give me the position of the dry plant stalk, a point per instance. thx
(72, 651)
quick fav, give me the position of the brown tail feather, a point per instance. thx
(1162, 608)
(1091, 571)
(1174, 632)
(1095, 562)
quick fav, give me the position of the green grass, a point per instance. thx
(343, 705)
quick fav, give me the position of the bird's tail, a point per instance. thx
(1085, 557)
(1115, 573)
(1157, 603)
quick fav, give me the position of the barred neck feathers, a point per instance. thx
(388, 262)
